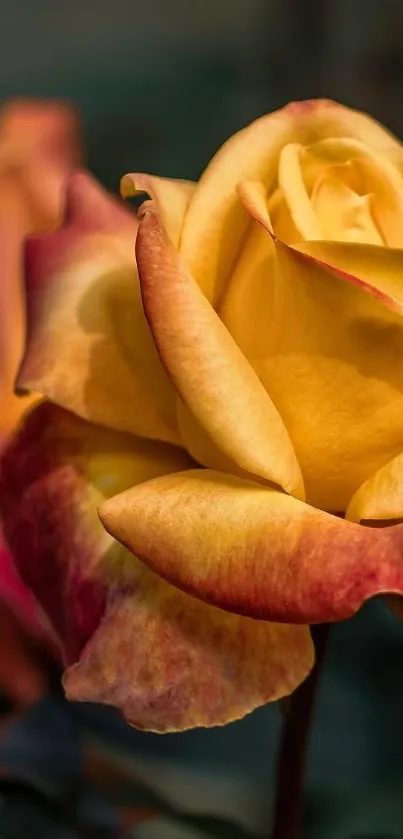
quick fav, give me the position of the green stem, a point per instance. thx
(293, 747)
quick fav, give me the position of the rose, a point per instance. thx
(220, 407)
(38, 146)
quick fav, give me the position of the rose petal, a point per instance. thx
(54, 472)
(343, 215)
(253, 550)
(171, 662)
(24, 671)
(380, 497)
(170, 196)
(21, 599)
(166, 660)
(336, 379)
(215, 223)
(293, 188)
(212, 376)
(39, 145)
(378, 267)
(89, 346)
(373, 174)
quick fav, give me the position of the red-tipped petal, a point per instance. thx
(168, 661)
(253, 550)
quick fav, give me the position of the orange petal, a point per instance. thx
(39, 145)
(328, 347)
(253, 550)
(168, 661)
(89, 347)
(212, 376)
(215, 222)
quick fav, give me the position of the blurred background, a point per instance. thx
(160, 84)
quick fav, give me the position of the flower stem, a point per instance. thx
(293, 747)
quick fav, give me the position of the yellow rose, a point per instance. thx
(221, 406)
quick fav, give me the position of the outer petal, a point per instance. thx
(215, 223)
(172, 662)
(21, 600)
(53, 473)
(253, 550)
(212, 376)
(168, 661)
(89, 346)
(336, 380)
(38, 146)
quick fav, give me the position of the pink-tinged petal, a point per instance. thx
(54, 472)
(328, 347)
(171, 662)
(89, 348)
(214, 379)
(40, 502)
(253, 550)
(24, 668)
(170, 196)
(21, 600)
(215, 223)
(168, 661)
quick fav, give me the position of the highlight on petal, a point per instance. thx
(168, 661)
(89, 348)
(336, 380)
(171, 197)
(291, 183)
(381, 497)
(215, 223)
(253, 550)
(214, 379)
